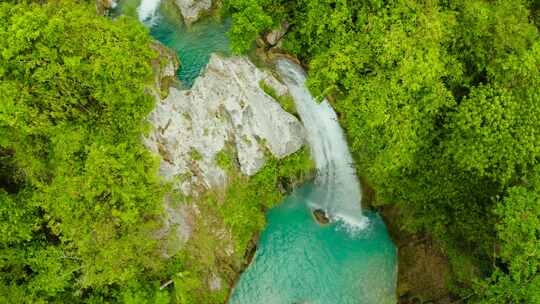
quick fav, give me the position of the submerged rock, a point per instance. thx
(192, 9)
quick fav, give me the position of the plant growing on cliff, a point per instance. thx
(286, 101)
(247, 199)
(230, 220)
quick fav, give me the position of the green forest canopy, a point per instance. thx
(440, 101)
(441, 104)
(80, 196)
(79, 193)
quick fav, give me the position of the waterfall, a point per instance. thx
(147, 11)
(338, 193)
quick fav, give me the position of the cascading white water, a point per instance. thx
(147, 11)
(340, 195)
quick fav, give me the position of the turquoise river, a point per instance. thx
(299, 261)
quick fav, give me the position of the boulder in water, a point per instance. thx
(321, 217)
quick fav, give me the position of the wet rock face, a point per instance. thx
(225, 112)
(192, 9)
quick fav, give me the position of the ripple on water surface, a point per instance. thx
(299, 261)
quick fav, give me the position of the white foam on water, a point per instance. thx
(147, 11)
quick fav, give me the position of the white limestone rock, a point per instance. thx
(192, 9)
(225, 109)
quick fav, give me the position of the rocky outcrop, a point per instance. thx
(320, 217)
(273, 38)
(192, 9)
(177, 224)
(225, 111)
(164, 67)
(225, 117)
(103, 6)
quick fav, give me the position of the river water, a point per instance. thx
(193, 44)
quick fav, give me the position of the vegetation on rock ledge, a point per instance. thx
(229, 221)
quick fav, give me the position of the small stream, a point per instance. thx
(298, 261)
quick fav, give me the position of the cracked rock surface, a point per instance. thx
(225, 110)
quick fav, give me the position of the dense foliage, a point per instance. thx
(80, 197)
(79, 194)
(440, 100)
